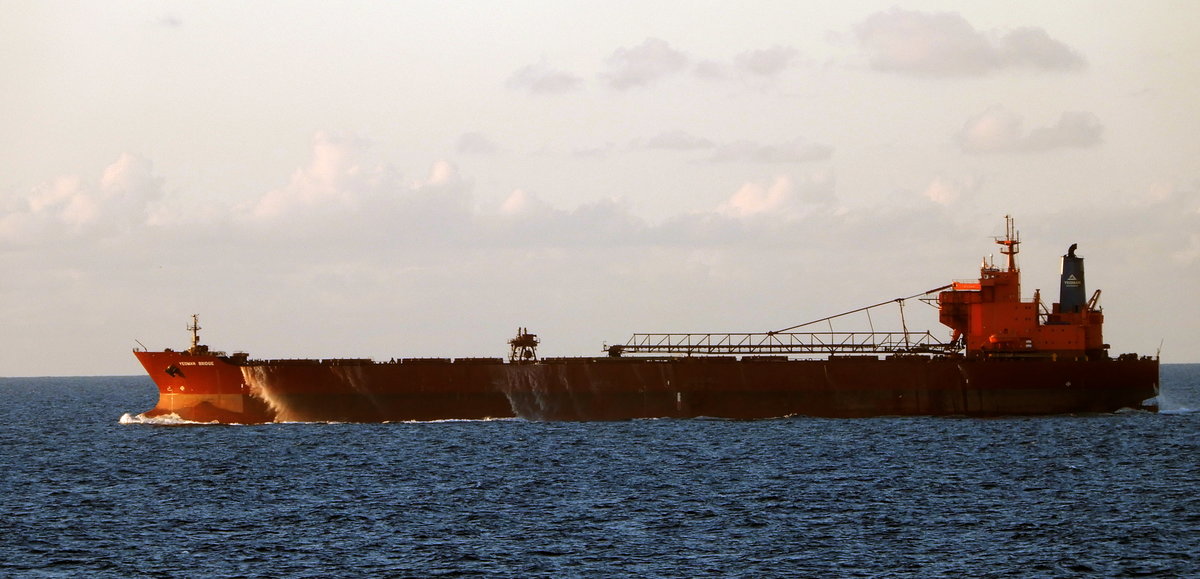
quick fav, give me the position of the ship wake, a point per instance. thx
(161, 420)
(1169, 405)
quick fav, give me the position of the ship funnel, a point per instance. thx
(1072, 295)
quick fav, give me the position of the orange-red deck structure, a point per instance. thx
(991, 319)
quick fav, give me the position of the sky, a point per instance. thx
(420, 179)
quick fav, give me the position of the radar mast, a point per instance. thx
(1010, 245)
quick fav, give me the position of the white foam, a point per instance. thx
(442, 420)
(160, 420)
(1166, 405)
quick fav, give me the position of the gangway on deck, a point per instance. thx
(782, 343)
(787, 341)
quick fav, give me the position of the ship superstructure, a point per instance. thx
(991, 319)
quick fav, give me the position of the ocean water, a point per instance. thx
(86, 494)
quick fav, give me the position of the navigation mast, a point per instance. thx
(194, 328)
(1010, 244)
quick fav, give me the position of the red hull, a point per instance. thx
(208, 388)
(1015, 357)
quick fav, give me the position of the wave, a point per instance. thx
(174, 420)
(160, 420)
(1168, 405)
(440, 420)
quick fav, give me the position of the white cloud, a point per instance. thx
(127, 190)
(520, 202)
(57, 192)
(541, 79)
(764, 63)
(993, 130)
(1187, 253)
(1175, 215)
(678, 140)
(1034, 48)
(474, 143)
(767, 61)
(942, 192)
(947, 191)
(944, 44)
(594, 152)
(998, 130)
(525, 220)
(643, 64)
(653, 60)
(756, 198)
(340, 204)
(122, 199)
(441, 174)
(1073, 129)
(713, 70)
(783, 197)
(335, 178)
(434, 210)
(795, 151)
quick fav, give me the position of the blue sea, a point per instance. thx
(90, 491)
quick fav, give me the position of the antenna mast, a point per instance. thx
(1011, 243)
(195, 330)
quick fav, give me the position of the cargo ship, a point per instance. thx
(1004, 356)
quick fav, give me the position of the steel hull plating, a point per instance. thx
(211, 388)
